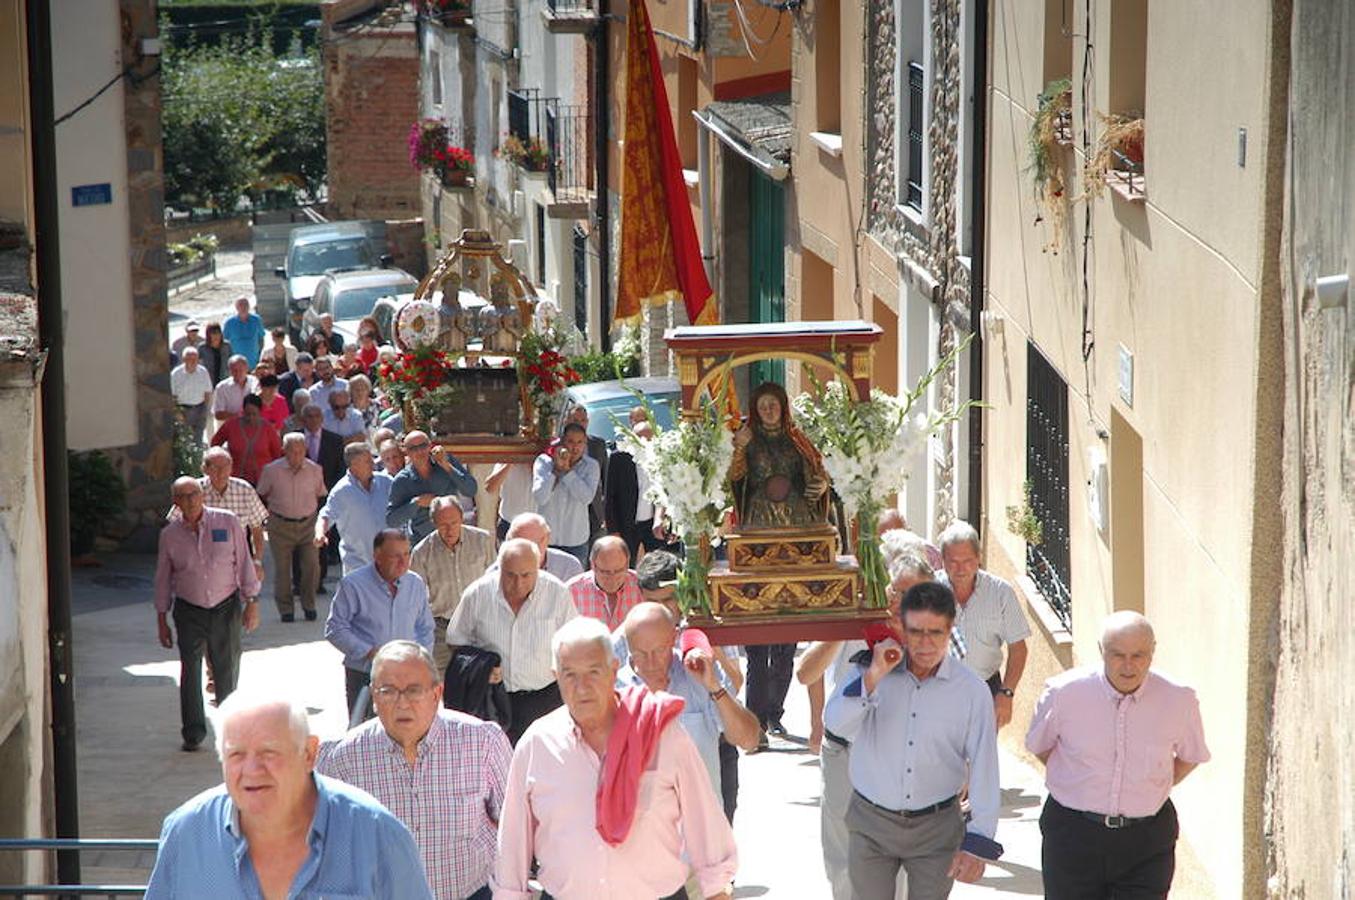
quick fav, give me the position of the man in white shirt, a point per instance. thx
(192, 389)
(987, 616)
(532, 527)
(229, 397)
(514, 612)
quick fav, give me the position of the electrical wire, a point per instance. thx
(746, 30)
(123, 73)
(1088, 336)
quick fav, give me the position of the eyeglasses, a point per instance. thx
(931, 634)
(413, 694)
(409, 448)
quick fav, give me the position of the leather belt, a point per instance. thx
(910, 813)
(1113, 822)
(840, 741)
(290, 519)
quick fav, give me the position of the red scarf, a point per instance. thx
(641, 717)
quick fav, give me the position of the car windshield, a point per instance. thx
(358, 302)
(603, 415)
(317, 259)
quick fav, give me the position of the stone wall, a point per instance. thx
(1310, 796)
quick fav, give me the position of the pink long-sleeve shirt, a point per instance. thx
(550, 813)
(206, 567)
(1112, 753)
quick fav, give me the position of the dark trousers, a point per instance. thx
(1085, 860)
(501, 530)
(353, 683)
(641, 534)
(217, 631)
(528, 706)
(729, 778)
(769, 671)
(483, 894)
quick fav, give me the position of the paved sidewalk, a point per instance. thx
(132, 771)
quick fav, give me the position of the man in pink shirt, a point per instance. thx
(206, 575)
(610, 590)
(550, 810)
(293, 488)
(1114, 740)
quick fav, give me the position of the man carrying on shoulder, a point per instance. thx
(449, 560)
(431, 472)
(564, 482)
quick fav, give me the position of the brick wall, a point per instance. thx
(371, 99)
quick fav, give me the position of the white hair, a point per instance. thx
(445, 502)
(292, 437)
(959, 532)
(518, 545)
(403, 651)
(1123, 622)
(301, 398)
(246, 701)
(898, 542)
(578, 632)
(910, 564)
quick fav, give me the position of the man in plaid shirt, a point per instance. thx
(441, 772)
(610, 590)
(221, 490)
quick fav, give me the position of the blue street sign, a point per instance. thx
(91, 194)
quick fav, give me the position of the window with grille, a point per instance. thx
(1049, 562)
(519, 116)
(916, 87)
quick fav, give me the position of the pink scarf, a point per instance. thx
(641, 717)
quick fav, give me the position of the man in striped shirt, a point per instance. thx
(610, 590)
(441, 772)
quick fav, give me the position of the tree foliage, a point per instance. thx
(241, 120)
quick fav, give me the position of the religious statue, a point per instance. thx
(456, 327)
(501, 324)
(777, 475)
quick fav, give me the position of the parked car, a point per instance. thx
(348, 296)
(609, 402)
(315, 250)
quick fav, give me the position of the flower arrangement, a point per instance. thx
(1119, 148)
(544, 371)
(688, 465)
(865, 445)
(532, 154)
(416, 380)
(430, 150)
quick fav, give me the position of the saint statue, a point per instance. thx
(456, 327)
(778, 477)
(501, 324)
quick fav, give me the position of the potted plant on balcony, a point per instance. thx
(531, 154)
(429, 150)
(451, 13)
(1118, 158)
(1047, 137)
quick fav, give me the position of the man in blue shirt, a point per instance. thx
(356, 507)
(920, 723)
(430, 473)
(378, 603)
(275, 828)
(245, 332)
(563, 484)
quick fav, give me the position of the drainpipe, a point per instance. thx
(703, 175)
(602, 151)
(56, 493)
(978, 210)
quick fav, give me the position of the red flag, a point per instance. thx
(660, 256)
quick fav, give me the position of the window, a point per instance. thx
(1049, 563)
(540, 244)
(686, 103)
(1058, 40)
(435, 75)
(828, 66)
(1128, 56)
(519, 116)
(917, 81)
(580, 279)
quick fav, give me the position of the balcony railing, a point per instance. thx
(569, 135)
(569, 16)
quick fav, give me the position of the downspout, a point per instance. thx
(703, 175)
(602, 153)
(56, 493)
(977, 252)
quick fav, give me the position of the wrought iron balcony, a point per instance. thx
(569, 135)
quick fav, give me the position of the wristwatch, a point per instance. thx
(1006, 692)
(718, 695)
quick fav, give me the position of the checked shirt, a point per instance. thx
(239, 498)
(450, 798)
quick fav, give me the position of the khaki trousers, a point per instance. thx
(283, 538)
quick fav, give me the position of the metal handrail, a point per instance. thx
(76, 844)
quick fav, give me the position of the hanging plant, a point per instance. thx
(1118, 149)
(1047, 137)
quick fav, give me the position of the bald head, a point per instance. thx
(531, 527)
(1125, 623)
(650, 636)
(648, 616)
(1127, 645)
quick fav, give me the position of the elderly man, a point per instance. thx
(378, 603)
(532, 527)
(277, 829)
(449, 560)
(564, 482)
(1115, 740)
(293, 488)
(711, 710)
(301, 377)
(342, 419)
(333, 339)
(192, 388)
(513, 611)
(251, 442)
(356, 508)
(392, 457)
(229, 395)
(206, 574)
(443, 773)
(191, 337)
(585, 846)
(610, 590)
(301, 398)
(326, 382)
(222, 491)
(245, 331)
(988, 617)
(432, 472)
(323, 447)
(831, 660)
(920, 725)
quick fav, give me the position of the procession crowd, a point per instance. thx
(529, 712)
